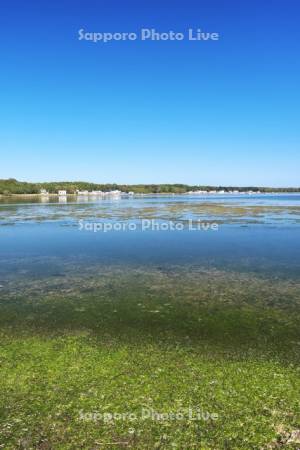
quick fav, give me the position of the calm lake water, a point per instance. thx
(258, 234)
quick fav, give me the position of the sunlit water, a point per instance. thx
(42, 238)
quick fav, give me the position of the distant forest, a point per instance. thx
(12, 186)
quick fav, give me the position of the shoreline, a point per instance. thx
(149, 194)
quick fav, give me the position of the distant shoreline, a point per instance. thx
(14, 187)
(148, 194)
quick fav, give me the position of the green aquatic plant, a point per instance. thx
(123, 339)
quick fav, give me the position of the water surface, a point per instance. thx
(258, 234)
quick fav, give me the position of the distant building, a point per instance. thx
(197, 192)
(114, 193)
(44, 192)
(62, 193)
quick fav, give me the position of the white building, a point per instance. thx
(115, 193)
(95, 193)
(62, 193)
(44, 192)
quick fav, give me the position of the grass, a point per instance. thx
(126, 340)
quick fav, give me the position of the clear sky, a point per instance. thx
(221, 112)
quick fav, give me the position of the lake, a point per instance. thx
(258, 233)
(102, 314)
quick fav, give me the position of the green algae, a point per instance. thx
(121, 338)
(178, 211)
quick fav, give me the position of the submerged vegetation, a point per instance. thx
(121, 339)
(12, 186)
(150, 341)
(183, 211)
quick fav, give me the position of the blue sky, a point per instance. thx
(224, 112)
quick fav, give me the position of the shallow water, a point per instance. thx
(113, 319)
(236, 287)
(240, 209)
(258, 234)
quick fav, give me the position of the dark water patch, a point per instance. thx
(50, 249)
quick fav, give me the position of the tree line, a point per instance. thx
(11, 186)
